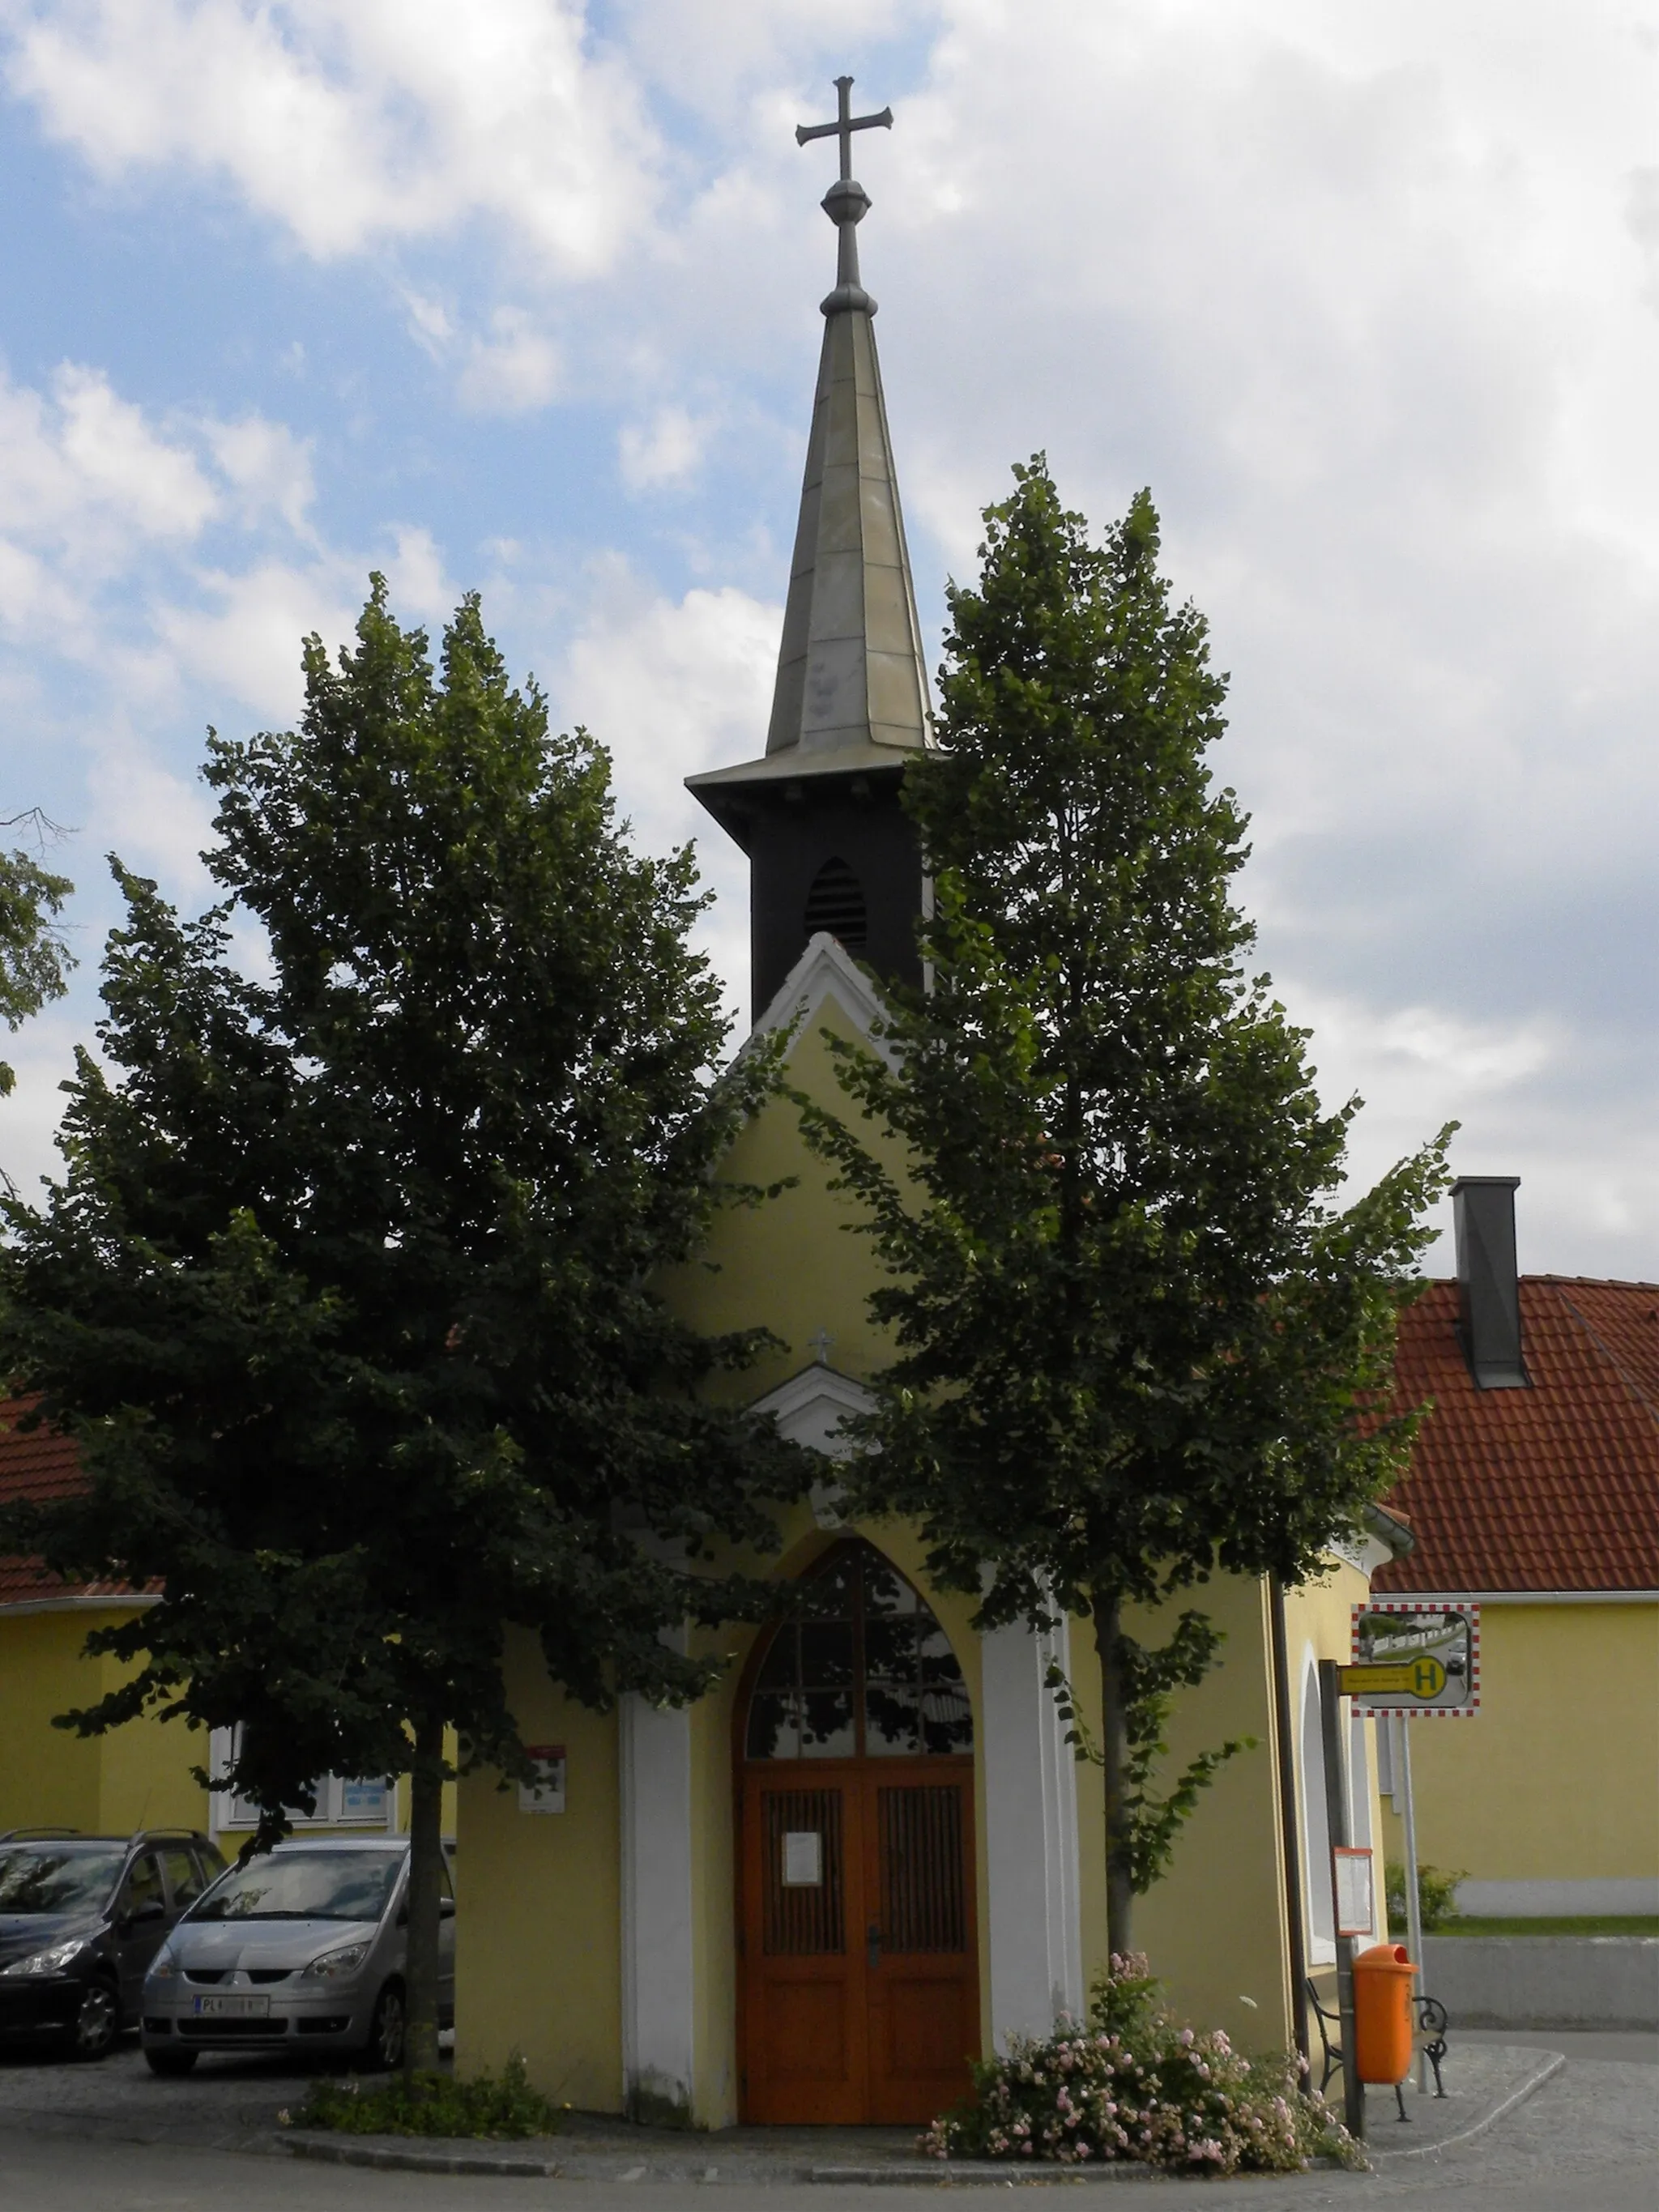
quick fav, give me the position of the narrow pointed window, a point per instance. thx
(835, 903)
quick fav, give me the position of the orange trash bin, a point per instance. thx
(1384, 2030)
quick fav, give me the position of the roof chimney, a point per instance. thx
(1483, 1215)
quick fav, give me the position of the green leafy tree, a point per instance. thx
(344, 1292)
(1133, 1331)
(34, 960)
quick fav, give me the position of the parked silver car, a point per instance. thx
(301, 1947)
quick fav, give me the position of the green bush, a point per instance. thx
(1130, 2083)
(431, 2105)
(1436, 1896)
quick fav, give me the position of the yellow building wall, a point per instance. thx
(1214, 1927)
(794, 1264)
(1557, 1777)
(538, 1950)
(136, 1776)
(554, 1921)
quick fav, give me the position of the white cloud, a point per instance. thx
(238, 636)
(513, 371)
(667, 451)
(353, 121)
(269, 467)
(670, 686)
(415, 575)
(83, 473)
(1370, 296)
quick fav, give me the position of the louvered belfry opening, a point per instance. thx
(835, 903)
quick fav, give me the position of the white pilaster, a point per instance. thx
(1030, 1835)
(656, 1908)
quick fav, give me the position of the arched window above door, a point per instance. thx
(835, 903)
(864, 1671)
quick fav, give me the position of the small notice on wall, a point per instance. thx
(1356, 1908)
(546, 1793)
(803, 1859)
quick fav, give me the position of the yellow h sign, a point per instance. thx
(1422, 1677)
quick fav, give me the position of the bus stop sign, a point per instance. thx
(1415, 1656)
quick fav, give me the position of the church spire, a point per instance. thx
(850, 703)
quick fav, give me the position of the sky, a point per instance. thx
(521, 296)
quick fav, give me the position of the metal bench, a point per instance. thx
(1432, 2022)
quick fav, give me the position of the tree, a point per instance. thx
(34, 960)
(1134, 1335)
(344, 1293)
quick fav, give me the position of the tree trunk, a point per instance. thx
(426, 1799)
(1114, 1745)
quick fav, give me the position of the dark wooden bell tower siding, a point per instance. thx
(834, 853)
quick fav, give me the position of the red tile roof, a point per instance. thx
(1553, 1488)
(38, 1465)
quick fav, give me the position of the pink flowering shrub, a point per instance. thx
(1131, 2083)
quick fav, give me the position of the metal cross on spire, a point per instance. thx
(846, 202)
(844, 125)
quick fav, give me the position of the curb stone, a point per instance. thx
(928, 2174)
(333, 2152)
(1550, 2064)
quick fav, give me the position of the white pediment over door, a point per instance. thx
(810, 1409)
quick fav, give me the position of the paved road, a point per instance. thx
(1588, 2142)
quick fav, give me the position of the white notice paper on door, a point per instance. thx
(803, 1859)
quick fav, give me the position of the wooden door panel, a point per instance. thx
(924, 1987)
(805, 2032)
(805, 2027)
(928, 2040)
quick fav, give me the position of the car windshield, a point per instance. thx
(304, 1886)
(58, 1877)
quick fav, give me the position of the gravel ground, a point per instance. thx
(229, 2103)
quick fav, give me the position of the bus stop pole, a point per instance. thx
(1339, 1833)
(1413, 1895)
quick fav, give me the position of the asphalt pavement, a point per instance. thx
(112, 2139)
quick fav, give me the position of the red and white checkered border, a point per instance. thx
(1424, 1605)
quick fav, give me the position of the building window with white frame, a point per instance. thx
(342, 1801)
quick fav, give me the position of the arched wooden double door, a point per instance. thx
(858, 1967)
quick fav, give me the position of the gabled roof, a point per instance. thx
(1553, 1488)
(37, 1466)
(825, 970)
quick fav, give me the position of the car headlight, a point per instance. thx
(163, 1967)
(52, 1962)
(335, 1966)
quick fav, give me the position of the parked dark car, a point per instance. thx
(81, 1918)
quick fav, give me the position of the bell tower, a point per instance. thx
(829, 845)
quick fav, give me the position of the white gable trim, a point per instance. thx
(826, 970)
(809, 1409)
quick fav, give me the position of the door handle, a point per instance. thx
(872, 1945)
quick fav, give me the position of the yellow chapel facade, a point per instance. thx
(868, 1854)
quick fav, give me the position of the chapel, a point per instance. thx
(869, 1854)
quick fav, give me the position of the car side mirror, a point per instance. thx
(151, 1909)
(446, 1911)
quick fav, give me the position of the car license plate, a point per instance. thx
(229, 2007)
